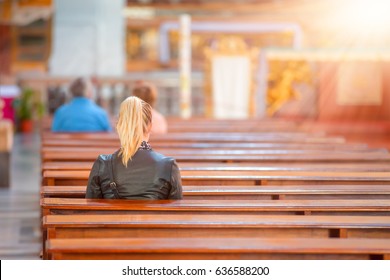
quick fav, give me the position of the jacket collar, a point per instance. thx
(145, 146)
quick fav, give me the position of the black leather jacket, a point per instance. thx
(149, 175)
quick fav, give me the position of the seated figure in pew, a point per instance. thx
(81, 114)
(135, 171)
(148, 93)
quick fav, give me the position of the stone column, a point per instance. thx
(88, 38)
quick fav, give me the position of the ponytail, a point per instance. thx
(135, 116)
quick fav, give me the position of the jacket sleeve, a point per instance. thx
(176, 189)
(93, 187)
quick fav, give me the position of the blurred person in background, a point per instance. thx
(81, 114)
(148, 93)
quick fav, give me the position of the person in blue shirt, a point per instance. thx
(81, 114)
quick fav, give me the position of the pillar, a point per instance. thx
(88, 38)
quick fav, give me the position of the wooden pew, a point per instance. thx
(232, 127)
(214, 146)
(315, 166)
(288, 148)
(219, 248)
(6, 142)
(176, 226)
(206, 137)
(206, 152)
(196, 134)
(55, 206)
(197, 225)
(196, 157)
(202, 192)
(69, 206)
(196, 177)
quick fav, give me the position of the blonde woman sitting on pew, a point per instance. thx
(148, 93)
(135, 171)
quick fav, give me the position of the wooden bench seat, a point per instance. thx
(206, 177)
(55, 206)
(218, 248)
(253, 192)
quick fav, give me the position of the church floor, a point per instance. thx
(19, 203)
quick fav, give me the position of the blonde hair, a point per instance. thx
(135, 117)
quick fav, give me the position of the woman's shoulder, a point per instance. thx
(162, 158)
(106, 157)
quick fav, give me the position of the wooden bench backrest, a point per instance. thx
(323, 157)
(207, 137)
(195, 177)
(254, 207)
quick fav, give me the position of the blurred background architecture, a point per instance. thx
(319, 60)
(324, 64)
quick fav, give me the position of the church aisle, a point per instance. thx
(19, 204)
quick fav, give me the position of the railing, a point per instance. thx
(110, 92)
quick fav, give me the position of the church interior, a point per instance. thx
(277, 113)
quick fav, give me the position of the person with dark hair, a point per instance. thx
(81, 114)
(135, 171)
(148, 93)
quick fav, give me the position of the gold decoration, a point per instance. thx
(202, 40)
(281, 79)
(133, 44)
